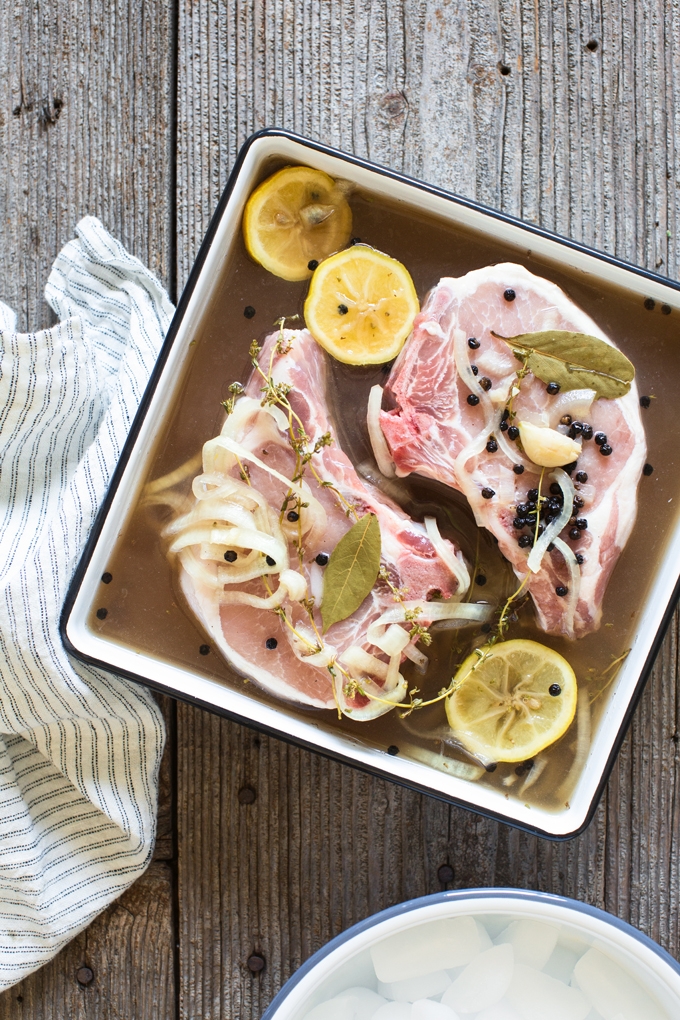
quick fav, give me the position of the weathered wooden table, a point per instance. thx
(564, 112)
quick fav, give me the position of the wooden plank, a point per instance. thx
(121, 966)
(566, 113)
(85, 127)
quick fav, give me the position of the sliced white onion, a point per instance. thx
(430, 612)
(381, 451)
(236, 538)
(316, 582)
(359, 662)
(574, 581)
(455, 563)
(295, 583)
(174, 477)
(394, 640)
(244, 598)
(553, 529)
(577, 403)
(418, 658)
(303, 639)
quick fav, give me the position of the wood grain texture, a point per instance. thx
(85, 127)
(503, 101)
(128, 948)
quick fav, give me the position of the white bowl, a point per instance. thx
(346, 962)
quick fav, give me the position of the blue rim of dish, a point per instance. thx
(452, 896)
(182, 305)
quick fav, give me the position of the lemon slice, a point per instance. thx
(361, 306)
(296, 215)
(514, 699)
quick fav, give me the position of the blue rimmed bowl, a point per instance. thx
(345, 961)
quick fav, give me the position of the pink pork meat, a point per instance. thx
(449, 389)
(282, 651)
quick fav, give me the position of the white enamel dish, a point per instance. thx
(154, 667)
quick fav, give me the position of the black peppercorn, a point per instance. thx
(107, 578)
(473, 343)
(522, 509)
(645, 401)
(581, 476)
(582, 524)
(600, 438)
(102, 613)
(488, 493)
(270, 561)
(555, 489)
(492, 766)
(650, 304)
(648, 470)
(503, 426)
(553, 388)
(485, 383)
(554, 690)
(393, 749)
(355, 240)
(524, 541)
(231, 556)
(580, 558)
(485, 628)
(606, 449)
(492, 446)
(587, 431)
(513, 432)
(271, 643)
(312, 264)
(575, 429)
(293, 516)
(475, 370)
(473, 399)
(574, 534)
(561, 590)
(506, 414)
(343, 309)
(509, 294)
(569, 468)
(578, 502)
(566, 419)
(322, 559)
(518, 523)
(518, 469)
(480, 580)
(665, 309)
(204, 650)
(532, 495)
(249, 311)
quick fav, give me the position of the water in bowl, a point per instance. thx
(485, 968)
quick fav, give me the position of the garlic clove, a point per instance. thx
(547, 447)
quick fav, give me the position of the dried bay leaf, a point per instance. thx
(351, 572)
(574, 360)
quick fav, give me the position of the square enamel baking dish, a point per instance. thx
(605, 285)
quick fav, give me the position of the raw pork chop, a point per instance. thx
(255, 640)
(433, 430)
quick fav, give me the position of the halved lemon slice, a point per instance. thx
(297, 215)
(515, 698)
(361, 306)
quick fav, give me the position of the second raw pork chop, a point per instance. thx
(450, 387)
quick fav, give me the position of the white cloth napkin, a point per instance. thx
(79, 749)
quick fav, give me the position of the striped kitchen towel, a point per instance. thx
(79, 749)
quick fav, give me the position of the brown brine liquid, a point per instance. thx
(146, 611)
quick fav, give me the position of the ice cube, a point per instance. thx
(561, 964)
(611, 990)
(438, 945)
(393, 1011)
(422, 987)
(536, 995)
(334, 1009)
(501, 1011)
(484, 938)
(363, 1001)
(533, 941)
(426, 1009)
(483, 982)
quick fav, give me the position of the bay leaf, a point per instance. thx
(351, 572)
(574, 360)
